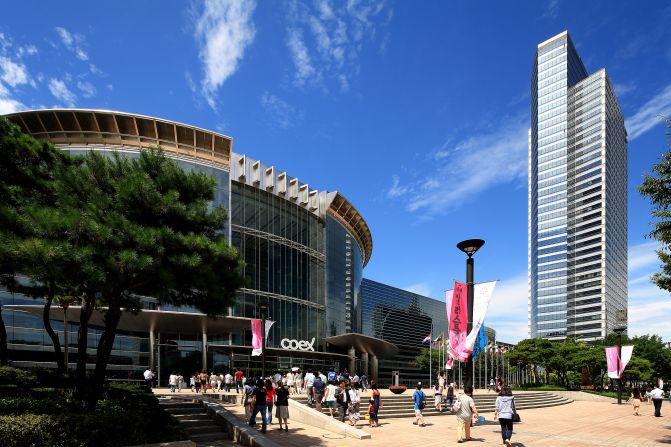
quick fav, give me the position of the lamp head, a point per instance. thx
(619, 330)
(263, 304)
(470, 246)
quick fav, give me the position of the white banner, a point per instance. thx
(482, 294)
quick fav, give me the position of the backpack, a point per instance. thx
(457, 405)
(422, 402)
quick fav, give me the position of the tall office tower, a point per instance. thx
(577, 198)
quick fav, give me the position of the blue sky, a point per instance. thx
(416, 111)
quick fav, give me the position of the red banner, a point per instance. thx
(459, 322)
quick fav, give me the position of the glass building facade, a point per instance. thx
(577, 198)
(403, 318)
(304, 252)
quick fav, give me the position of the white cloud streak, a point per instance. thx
(223, 31)
(88, 90)
(326, 39)
(643, 255)
(74, 42)
(60, 90)
(421, 288)
(647, 116)
(13, 73)
(279, 112)
(500, 157)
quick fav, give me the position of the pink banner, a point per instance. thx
(459, 322)
(612, 360)
(256, 337)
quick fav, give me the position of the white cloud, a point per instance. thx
(9, 105)
(326, 39)
(88, 90)
(647, 116)
(73, 42)
(500, 157)
(61, 91)
(622, 88)
(223, 31)
(13, 73)
(421, 288)
(643, 255)
(279, 112)
(300, 57)
(552, 10)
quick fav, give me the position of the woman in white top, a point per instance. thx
(299, 382)
(353, 407)
(329, 397)
(213, 381)
(290, 381)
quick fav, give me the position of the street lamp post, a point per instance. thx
(263, 307)
(619, 332)
(470, 246)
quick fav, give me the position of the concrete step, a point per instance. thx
(210, 428)
(214, 436)
(196, 423)
(185, 410)
(191, 417)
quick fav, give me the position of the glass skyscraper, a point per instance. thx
(577, 198)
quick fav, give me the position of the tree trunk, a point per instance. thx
(104, 352)
(47, 325)
(81, 382)
(3, 341)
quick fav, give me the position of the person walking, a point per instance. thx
(418, 398)
(204, 378)
(318, 388)
(259, 405)
(172, 381)
(438, 397)
(180, 382)
(450, 394)
(491, 385)
(329, 397)
(282, 406)
(309, 381)
(505, 408)
(364, 382)
(192, 382)
(465, 411)
(299, 382)
(247, 400)
(290, 381)
(372, 415)
(636, 400)
(341, 398)
(657, 396)
(213, 381)
(228, 381)
(270, 399)
(353, 406)
(376, 398)
(239, 385)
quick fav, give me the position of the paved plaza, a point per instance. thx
(579, 424)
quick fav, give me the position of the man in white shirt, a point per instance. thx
(149, 378)
(355, 381)
(657, 397)
(172, 381)
(309, 380)
(228, 381)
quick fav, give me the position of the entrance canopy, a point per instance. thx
(364, 343)
(147, 320)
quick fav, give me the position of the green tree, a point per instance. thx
(657, 188)
(27, 169)
(151, 229)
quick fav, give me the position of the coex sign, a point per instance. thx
(297, 345)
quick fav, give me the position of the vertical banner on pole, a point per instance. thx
(256, 337)
(459, 322)
(482, 294)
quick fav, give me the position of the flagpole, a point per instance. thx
(430, 362)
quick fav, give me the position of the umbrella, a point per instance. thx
(295, 368)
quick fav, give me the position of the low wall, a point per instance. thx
(237, 430)
(309, 416)
(170, 444)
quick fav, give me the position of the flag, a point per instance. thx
(427, 339)
(482, 294)
(256, 337)
(612, 360)
(449, 363)
(479, 342)
(437, 340)
(459, 322)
